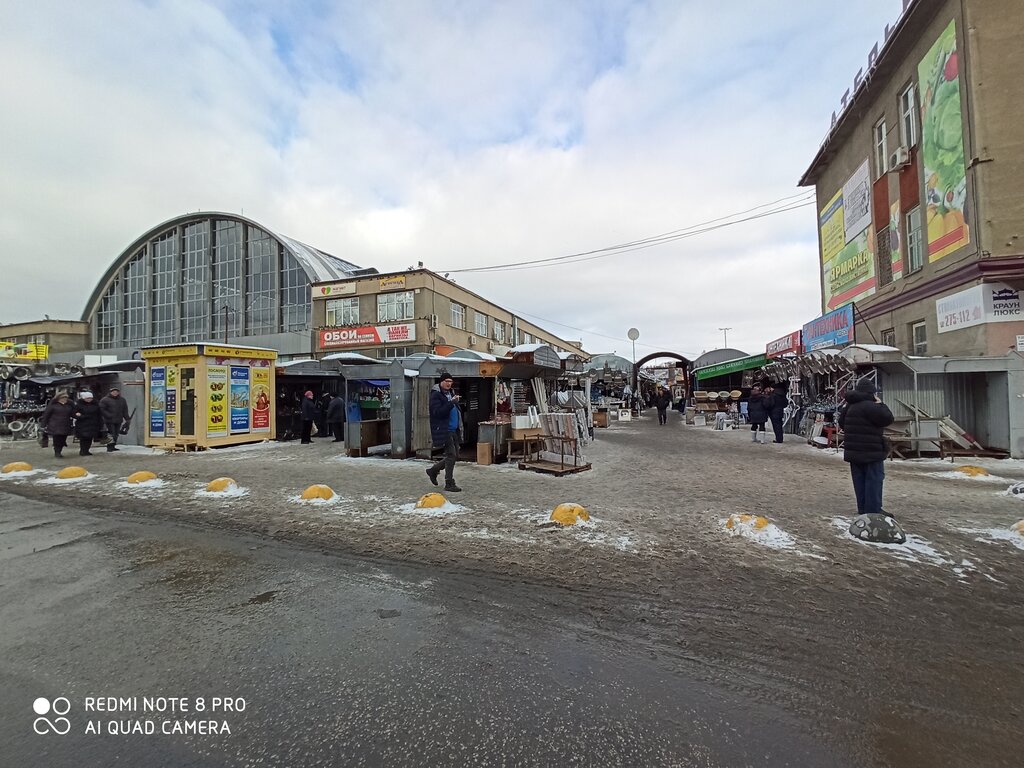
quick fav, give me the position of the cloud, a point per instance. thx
(459, 134)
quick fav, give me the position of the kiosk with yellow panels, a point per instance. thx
(207, 395)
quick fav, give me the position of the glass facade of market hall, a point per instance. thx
(186, 283)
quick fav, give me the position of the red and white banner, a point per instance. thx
(784, 346)
(367, 335)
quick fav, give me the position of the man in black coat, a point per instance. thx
(114, 411)
(309, 412)
(336, 417)
(662, 400)
(863, 422)
(775, 403)
(56, 422)
(445, 430)
(88, 422)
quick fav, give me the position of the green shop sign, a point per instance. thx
(731, 366)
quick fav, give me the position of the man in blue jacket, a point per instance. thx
(445, 430)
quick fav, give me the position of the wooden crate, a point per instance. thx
(520, 434)
(484, 453)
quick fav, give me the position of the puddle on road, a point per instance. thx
(263, 597)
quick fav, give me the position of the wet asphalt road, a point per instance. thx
(339, 661)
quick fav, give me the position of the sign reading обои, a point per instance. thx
(367, 335)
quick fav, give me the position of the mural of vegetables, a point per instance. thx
(942, 147)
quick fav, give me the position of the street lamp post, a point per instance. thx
(725, 337)
(634, 334)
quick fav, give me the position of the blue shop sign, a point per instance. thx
(832, 330)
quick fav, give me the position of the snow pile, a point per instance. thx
(957, 475)
(66, 480)
(20, 473)
(232, 492)
(448, 508)
(317, 502)
(154, 484)
(769, 535)
(995, 535)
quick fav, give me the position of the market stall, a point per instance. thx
(209, 395)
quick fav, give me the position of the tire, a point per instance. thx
(16, 426)
(21, 373)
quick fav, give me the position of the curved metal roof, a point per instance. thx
(318, 265)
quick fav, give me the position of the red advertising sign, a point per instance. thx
(367, 335)
(783, 346)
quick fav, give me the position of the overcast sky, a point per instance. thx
(459, 134)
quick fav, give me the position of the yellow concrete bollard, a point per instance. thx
(431, 501)
(318, 492)
(17, 466)
(70, 473)
(569, 514)
(221, 484)
(754, 521)
(972, 471)
(142, 476)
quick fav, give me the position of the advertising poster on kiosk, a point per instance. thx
(239, 398)
(157, 401)
(171, 401)
(217, 401)
(260, 397)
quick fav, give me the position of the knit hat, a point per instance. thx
(865, 386)
(85, 394)
(309, 393)
(446, 376)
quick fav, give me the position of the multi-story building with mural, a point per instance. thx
(921, 220)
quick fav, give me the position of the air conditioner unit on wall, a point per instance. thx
(490, 346)
(899, 159)
(472, 339)
(433, 322)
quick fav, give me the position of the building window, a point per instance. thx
(165, 288)
(227, 279)
(919, 337)
(499, 332)
(391, 353)
(108, 321)
(480, 324)
(136, 304)
(195, 279)
(908, 116)
(915, 241)
(394, 306)
(458, 319)
(342, 311)
(260, 288)
(881, 149)
(889, 337)
(294, 296)
(527, 338)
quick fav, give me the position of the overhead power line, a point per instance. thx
(775, 207)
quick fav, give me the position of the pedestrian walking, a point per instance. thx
(56, 422)
(662, 400)
(114, 410)
(775, 404)
(88, 422)
(863, 422)
(445, 430)
(309, 412)
(336, 417)
(757, 414)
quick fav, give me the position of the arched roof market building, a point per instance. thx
(210, 276)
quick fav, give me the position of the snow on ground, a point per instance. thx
(234, 492)
(769, 536)
(297, 498)
(20, 474)
(145, 486)
(956, 475)
(448, 508)
(65, 480)
(915, 550)
(995, 536)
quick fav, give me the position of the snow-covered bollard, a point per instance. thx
(972, 471)
(16, 466)
(878, 528)
(757, 522)
(72, 473)
(324, 492)
(431, 501)
(1018, 527)
(142, 476)
(569, 514)
(221, 485)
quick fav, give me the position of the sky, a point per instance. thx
(461, 134)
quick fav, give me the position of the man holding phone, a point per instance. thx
(445, 430)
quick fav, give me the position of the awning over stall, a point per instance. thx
(730, 366)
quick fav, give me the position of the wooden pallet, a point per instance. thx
(552, 468)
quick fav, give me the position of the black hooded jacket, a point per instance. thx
(863, 421)
(757, 412)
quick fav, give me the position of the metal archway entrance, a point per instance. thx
(654, 356)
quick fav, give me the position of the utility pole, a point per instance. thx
(725, 337)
